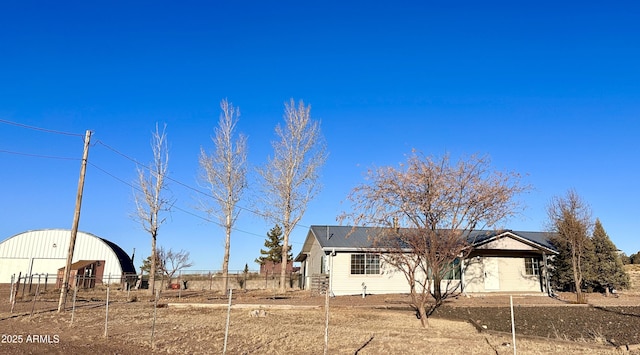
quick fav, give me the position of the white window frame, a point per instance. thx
(370, 264)
(532, 266)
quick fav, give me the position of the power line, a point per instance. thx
(257, 213)
(37, 155)
(177, 207)
(40, 128)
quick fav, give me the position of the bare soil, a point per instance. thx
(295, 323)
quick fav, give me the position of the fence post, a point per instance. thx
(326, 322)
(16, 292)
(24, 285)
(106, 316)
(13, 279)
(75, 293)
(35, 297)
(226, 330)
(155, 312)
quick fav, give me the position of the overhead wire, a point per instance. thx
(174, 206)
(22, 125)
(137, 163)
(37, 155)
(257, 213)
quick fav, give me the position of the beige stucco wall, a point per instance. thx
(506, 243)
(343, 283)
(512, 275)
(390, 280)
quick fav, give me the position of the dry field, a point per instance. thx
(294, 324)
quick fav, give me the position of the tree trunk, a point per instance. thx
(418, 304)
(225, 262)
(424, 321)
(283, 265)
(152, 269)
(577, 278)
(284, 260)
(437, 290)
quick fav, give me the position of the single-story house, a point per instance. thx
(345, 260)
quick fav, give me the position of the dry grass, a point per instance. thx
(353, 328)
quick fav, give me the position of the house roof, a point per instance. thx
(358, 238)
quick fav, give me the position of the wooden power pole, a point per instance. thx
(76, 220)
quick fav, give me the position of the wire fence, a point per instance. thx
(29, 287)
(214, 280)
(31, 295)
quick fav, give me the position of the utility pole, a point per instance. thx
(76, 220)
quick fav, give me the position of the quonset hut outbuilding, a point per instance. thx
(43, 252)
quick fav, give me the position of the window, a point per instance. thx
(532, 266)
(452, 271)
(365, 264)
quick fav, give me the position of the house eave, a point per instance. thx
(516, 237)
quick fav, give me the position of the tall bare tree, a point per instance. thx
(570, 218)
(291, 175)
(426, 211)
(224, 172)
(150, 195)
(170, 262)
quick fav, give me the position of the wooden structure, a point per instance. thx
(84, 274)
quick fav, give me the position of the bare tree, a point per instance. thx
(150, 195)
(426, 211)
(570, 218)
(224, 171)
(291, 175)
(171, 261)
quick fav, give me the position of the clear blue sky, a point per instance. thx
(547, 89)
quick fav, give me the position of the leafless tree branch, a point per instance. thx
(224, 172)
(150, 195)
(426, 211)
(290, 177)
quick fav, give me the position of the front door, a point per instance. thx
(491, 276)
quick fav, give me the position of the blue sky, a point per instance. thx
(551, 91)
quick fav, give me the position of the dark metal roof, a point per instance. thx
(348, 237)
(125, 261)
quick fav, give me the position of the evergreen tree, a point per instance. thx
(146, 266)
(562, 272)
(274, 244)
(608, 268)
(562, 269)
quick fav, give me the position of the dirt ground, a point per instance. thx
(295, 323)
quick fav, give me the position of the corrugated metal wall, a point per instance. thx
(46, 251)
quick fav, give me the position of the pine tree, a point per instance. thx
(562, 269)
(562, 274)
(273, 243)
(608, 268)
